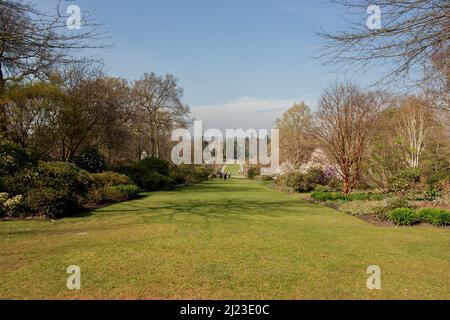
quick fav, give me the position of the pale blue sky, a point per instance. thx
(240, 62)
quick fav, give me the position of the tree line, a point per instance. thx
(369, 138)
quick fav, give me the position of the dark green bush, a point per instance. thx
(185, 174)
(111, 195)
(404, 217)
(437, 217)
(55, 189)
(51, 202)
(393, 203)
(315, 177)
(442, 219)
(13, 158)
(253, 172)
(130, 191)
(109, 178)
(62, 176)
(149, 174)
(21, 182)
(91, 160)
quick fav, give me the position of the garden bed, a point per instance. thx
(387, 211)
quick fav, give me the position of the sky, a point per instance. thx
(241, 63)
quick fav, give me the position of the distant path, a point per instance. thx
(234, 169)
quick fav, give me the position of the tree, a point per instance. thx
(31, 111)
(384, 159)
(436, 85)
(411, 33)
(413, 129)
(345, 126)
(160, 98)
(33, 43)
(296, 129)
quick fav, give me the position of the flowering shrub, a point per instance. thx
(363, 208)
(10, 206)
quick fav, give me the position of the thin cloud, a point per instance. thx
(244, 113)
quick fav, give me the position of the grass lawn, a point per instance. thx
(231, 240)
(234, 169)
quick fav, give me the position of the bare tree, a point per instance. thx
(160, 98)
(296, 143)
(411, 33)
(413, 130)
(436, 84)
(33, 43)
(345, 125)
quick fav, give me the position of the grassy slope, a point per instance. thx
(233, 239)
(234, 169)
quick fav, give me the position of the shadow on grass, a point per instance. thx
(213, 210)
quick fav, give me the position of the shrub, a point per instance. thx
(432, 194)
(403, 217)
(91, 160)
(253, 172)
(390, 205)
(51, 202)
(427, 214)
(13, 158)
(54, 188)
(434, 216)
(407, 180)
(149, 174)
(304, 182)
(10, 206)
(315, 177)
(130, 191)
(20, 182)
(442, 219)
(112, 194)
(338, 196)
(185, 174)
(363, 208)
(62, 176)
(3, 198)
(109, 179)
(323, 189)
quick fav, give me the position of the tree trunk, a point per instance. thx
(3, 127)
(346, 188)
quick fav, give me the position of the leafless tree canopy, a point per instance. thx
(412, 32)
(346, 120)
(32, 42)
(159, 100)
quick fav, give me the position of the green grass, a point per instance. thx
(221, 240)
(234, 169)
